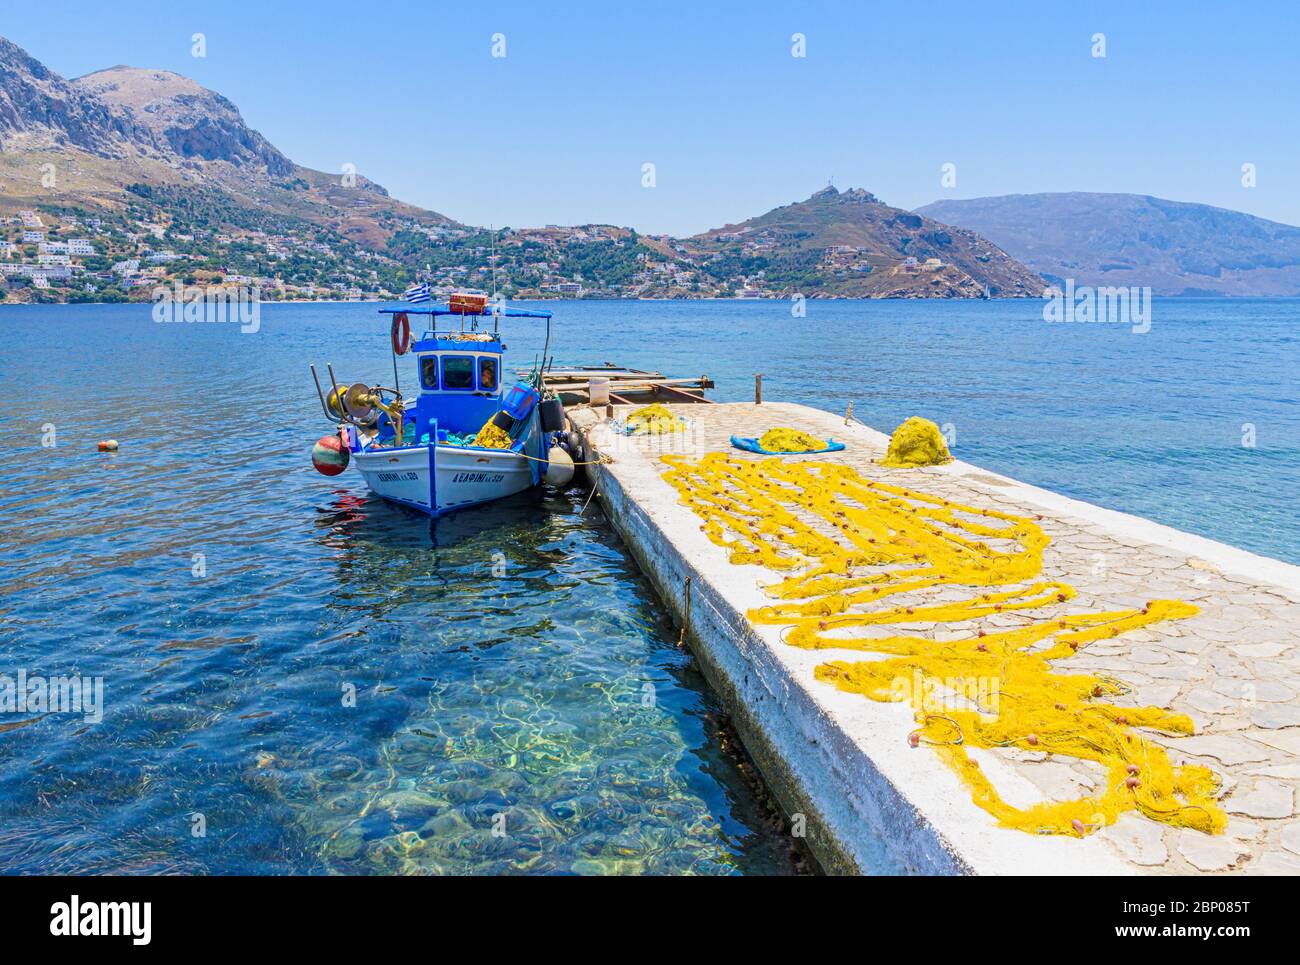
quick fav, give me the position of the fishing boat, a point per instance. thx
(462, 438)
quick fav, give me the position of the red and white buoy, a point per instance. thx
(330, 456)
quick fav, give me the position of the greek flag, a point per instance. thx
(417, 293)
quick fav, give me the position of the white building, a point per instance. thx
(80, 246)
(33, 237)
(53, 248)
(48, 260)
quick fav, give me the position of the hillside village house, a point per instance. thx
(30, 219)
(32, 237)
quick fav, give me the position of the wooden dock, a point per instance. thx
(626, 386)
(843, 765)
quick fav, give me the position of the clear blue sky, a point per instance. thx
(710, 94)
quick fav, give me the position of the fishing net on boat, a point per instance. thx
(917, 442)
(860, 556)
(782, 439)
(492, 436)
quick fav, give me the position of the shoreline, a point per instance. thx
(709, 298)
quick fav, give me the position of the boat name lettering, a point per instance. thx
(478, 477)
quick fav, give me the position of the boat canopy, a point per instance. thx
(488, 312)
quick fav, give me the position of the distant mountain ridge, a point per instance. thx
(884, 249)
(190, 190)
(1175, 247)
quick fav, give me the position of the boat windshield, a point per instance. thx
(458, 371)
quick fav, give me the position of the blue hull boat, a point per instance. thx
(465, 438)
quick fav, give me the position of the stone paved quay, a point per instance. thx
(872, 802)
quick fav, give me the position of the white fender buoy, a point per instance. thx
(559, 468)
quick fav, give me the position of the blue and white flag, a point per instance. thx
(417, 293)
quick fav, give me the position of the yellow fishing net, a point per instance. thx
(917, 442)
(492, 436)
(782, 439)
(654, 420)
(861, 556)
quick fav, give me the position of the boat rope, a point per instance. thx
(860, 558)
(686, 612)
(601, 461)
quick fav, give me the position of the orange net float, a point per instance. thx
(401, 334)
(330, 456)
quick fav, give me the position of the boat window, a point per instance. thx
(429, 371)
(487, 374)
(458, 371)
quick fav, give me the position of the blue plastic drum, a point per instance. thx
(520, 400)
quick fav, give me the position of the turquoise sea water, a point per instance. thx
(520, 704)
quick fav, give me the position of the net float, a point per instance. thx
(108, 445)
(330, 456)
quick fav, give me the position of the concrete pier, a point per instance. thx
(841, 765)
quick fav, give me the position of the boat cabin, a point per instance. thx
(461, 375)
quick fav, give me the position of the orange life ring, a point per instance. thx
(401, 333)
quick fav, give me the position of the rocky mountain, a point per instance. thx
(39, 109)
(1176, 248)
(851, 244)
(196, 123)
(178, 186)
(86, 142)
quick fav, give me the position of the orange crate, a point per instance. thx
(463, 304)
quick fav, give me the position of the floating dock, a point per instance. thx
(842, 766)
